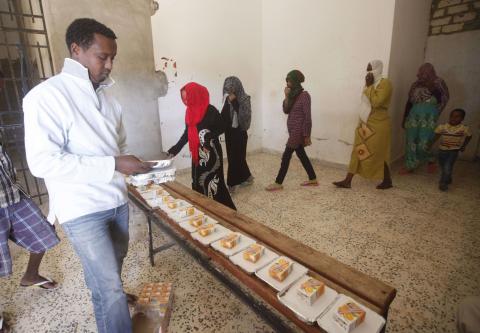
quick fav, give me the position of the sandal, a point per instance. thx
(42, 284)
(311, 182)
(274, 187)
(4, 328)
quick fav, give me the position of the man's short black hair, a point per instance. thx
(461, 111)
(81, 31)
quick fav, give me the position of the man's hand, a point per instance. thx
(369, 79)
(129, 164)
(307, 141)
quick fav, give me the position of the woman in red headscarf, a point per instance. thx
(203, 126)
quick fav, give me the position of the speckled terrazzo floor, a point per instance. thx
(421, 241)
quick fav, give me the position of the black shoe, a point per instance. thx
(443, 187)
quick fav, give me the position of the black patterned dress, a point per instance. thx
(207, 176)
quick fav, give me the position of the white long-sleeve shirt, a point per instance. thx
(72, 134)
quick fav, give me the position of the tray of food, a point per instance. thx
(253, 258)
(346, 315)
(232, 243)
(281, 273)
(210, 233)
(308, 298)
(170, 204)
(185, 213)
(192, 224)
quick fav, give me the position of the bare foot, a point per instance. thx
(384, 185)
(343, 184)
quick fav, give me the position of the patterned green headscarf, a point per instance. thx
(296, 78)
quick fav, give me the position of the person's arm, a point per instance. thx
(408, 107)
(438, 134)
(122, 135)
(468, 137)
(179, 145)
(378, 96)
(444, 94)
(245, 114)
(46, 135)
(286, 100)
(218, 126)
(307, 124)
(465, 143)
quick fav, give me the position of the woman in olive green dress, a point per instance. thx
(371, 150)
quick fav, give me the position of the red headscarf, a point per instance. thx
(197, 101)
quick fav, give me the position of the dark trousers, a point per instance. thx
(446, 159)
(287, 156)
(236, 144)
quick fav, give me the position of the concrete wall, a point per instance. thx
(137, 87)
(456, 58)
(209, 40)
(409, 37)
(331, 42)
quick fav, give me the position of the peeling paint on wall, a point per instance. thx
(170, 69)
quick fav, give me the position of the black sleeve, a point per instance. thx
(226, 113)
(179, 145)
(217, 125)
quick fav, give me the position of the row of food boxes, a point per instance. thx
(310, 299)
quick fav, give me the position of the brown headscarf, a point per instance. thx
(428, 85)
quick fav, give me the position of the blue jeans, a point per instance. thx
(446, 159)
(101, 241)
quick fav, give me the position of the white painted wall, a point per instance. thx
(409, 37)
(331, 42)
(456, 59)
(210, 40)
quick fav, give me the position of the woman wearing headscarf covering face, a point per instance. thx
(297, 105)
(427, 98)
(236, 113)
(203, 126)
(371, 150)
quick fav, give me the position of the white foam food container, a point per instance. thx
(219, 232)
(250, 267)
(161, 163)
(190, 228)
(373, 322)
(242, 244)
(307, 313)
(178, 216)
(156, 175)
(298, 271)
(180, 203)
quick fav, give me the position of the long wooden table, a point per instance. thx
(367, 290)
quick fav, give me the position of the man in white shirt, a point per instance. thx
(75, 140)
